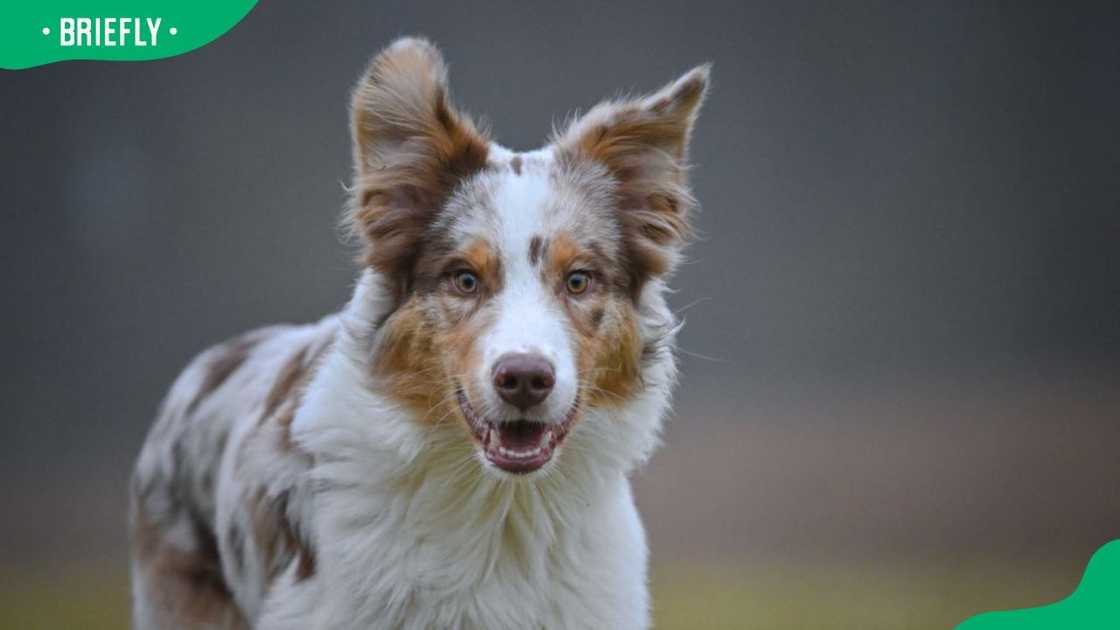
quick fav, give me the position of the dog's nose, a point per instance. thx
(523, 380)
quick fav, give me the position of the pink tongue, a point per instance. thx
(521, 435)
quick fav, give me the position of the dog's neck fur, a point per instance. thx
(409, 515)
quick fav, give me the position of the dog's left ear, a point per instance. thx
(643, 143)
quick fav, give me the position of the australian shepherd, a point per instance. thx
(452, 449)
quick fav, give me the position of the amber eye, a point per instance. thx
(466, 281)
(578, 282)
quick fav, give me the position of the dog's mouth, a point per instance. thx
(518, 447)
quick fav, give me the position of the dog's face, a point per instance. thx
(519, 280)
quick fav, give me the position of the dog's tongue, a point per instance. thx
(521, 435)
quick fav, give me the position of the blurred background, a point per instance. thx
(900, 402)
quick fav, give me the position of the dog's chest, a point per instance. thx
(527, 569)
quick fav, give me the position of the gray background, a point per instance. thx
(903, 314)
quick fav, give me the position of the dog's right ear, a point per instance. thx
(411, 148)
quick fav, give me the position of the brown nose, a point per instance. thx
(523, 380)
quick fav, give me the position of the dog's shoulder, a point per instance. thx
(215, 483)
(230, 390)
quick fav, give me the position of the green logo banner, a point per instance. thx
(37, 32)
(1094, 605)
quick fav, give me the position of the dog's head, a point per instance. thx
(525, 287)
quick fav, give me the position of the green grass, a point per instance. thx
(779, 597)
(772, 596)
(79, 600)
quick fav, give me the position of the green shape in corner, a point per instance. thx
(37, 32)
(1094, 604)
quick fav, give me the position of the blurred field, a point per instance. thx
(84, 598)
(774, 596)
(777, 597)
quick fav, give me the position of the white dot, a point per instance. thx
(46, 30)
(174, 31)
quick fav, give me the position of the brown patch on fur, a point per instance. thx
(236, 543)
(276, 539)
(284, 421)
(485, 262)
(228, 358)
(536, 247)
(188, 584)
(438, 261)
(643, 143)
(597, 315)
(612, 359)
(480, 256)
(283, 388)
(421, 352)
(411, 149)
(307, 564)
(409, 359)
(515, 165)
(604, 321)
(295, 373)
(286, 393)
(273, 534)
(562, 252)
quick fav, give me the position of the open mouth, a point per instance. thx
(520, 446)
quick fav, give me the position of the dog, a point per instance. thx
(452, 449)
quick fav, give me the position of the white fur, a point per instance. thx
(530, 320)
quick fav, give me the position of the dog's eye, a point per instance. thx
(578, 282)
(465, 281)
